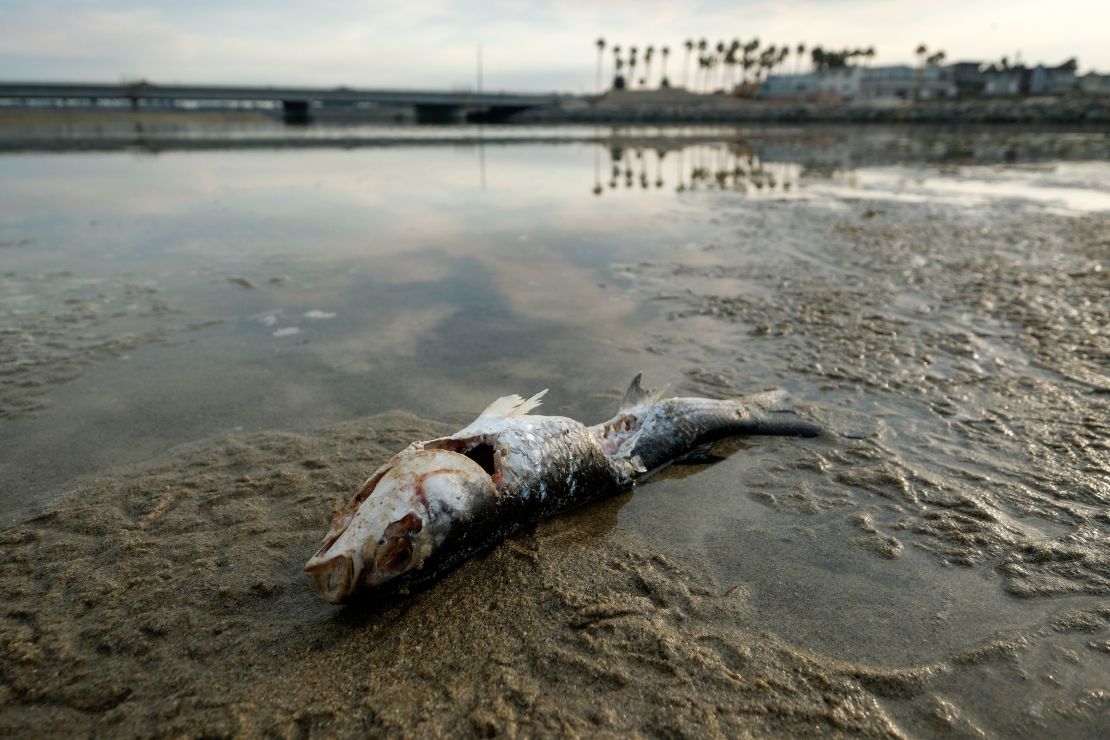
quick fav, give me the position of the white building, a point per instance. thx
(998, 81)
(1093, 83)
(908, 83)
(842, 82)
(1053, 80)
(789, 85)
(866, 83)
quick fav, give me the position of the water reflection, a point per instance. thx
(452, 269)
(733, 166)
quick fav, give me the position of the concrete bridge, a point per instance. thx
(296, 103)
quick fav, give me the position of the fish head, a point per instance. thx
(398, 520)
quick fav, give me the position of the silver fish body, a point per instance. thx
(654, 432)
(439, 501)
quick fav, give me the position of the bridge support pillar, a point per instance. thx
(494, 114)
(296, 112)
(439, 113)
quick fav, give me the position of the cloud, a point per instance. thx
(527, 45)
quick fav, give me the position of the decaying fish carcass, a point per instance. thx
(438, 502)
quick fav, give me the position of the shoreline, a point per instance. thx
(648, 107)
(200, 134)
(652, 107)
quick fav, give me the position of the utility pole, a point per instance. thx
(479, 68)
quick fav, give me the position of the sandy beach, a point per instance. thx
(937, 565)
(175, 604)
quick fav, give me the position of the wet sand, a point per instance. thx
(171, 601)
(937, 565)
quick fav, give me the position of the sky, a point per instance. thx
(526, 46)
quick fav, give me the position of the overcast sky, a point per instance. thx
(526, 45)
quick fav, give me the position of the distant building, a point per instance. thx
(1005, 81)
(1054, 80)
(1093, 83)
(896, 82)
(968, 78)
(900, 82)
(908, 83)
(964, 79)
(789, 85)
(842, 82)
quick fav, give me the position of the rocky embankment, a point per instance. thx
(669, 107)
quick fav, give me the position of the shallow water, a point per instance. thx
(936, 299)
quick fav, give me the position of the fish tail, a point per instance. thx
(772, 402)
(788, 426)
(771, 413)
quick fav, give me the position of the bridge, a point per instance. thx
(296, 103)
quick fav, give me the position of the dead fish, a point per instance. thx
(654, 432)
(440, 501)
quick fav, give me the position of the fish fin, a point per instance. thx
(637, 394)
(700, 455)
(514, 405)
(769, 401)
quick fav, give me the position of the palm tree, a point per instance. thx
(702, 46)
(686, 63)
(817, 54)
(647, 63)
(799, 54)
(766, 60)
(631, 66)
(718, 58)
(731, 61)
(750, 49)
(722, 59)
(921, 51)
(870, 54)
(600, 49)
(666, 51)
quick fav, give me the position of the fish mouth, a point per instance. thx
(350, 560)
(341, 519)
(332, 577)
